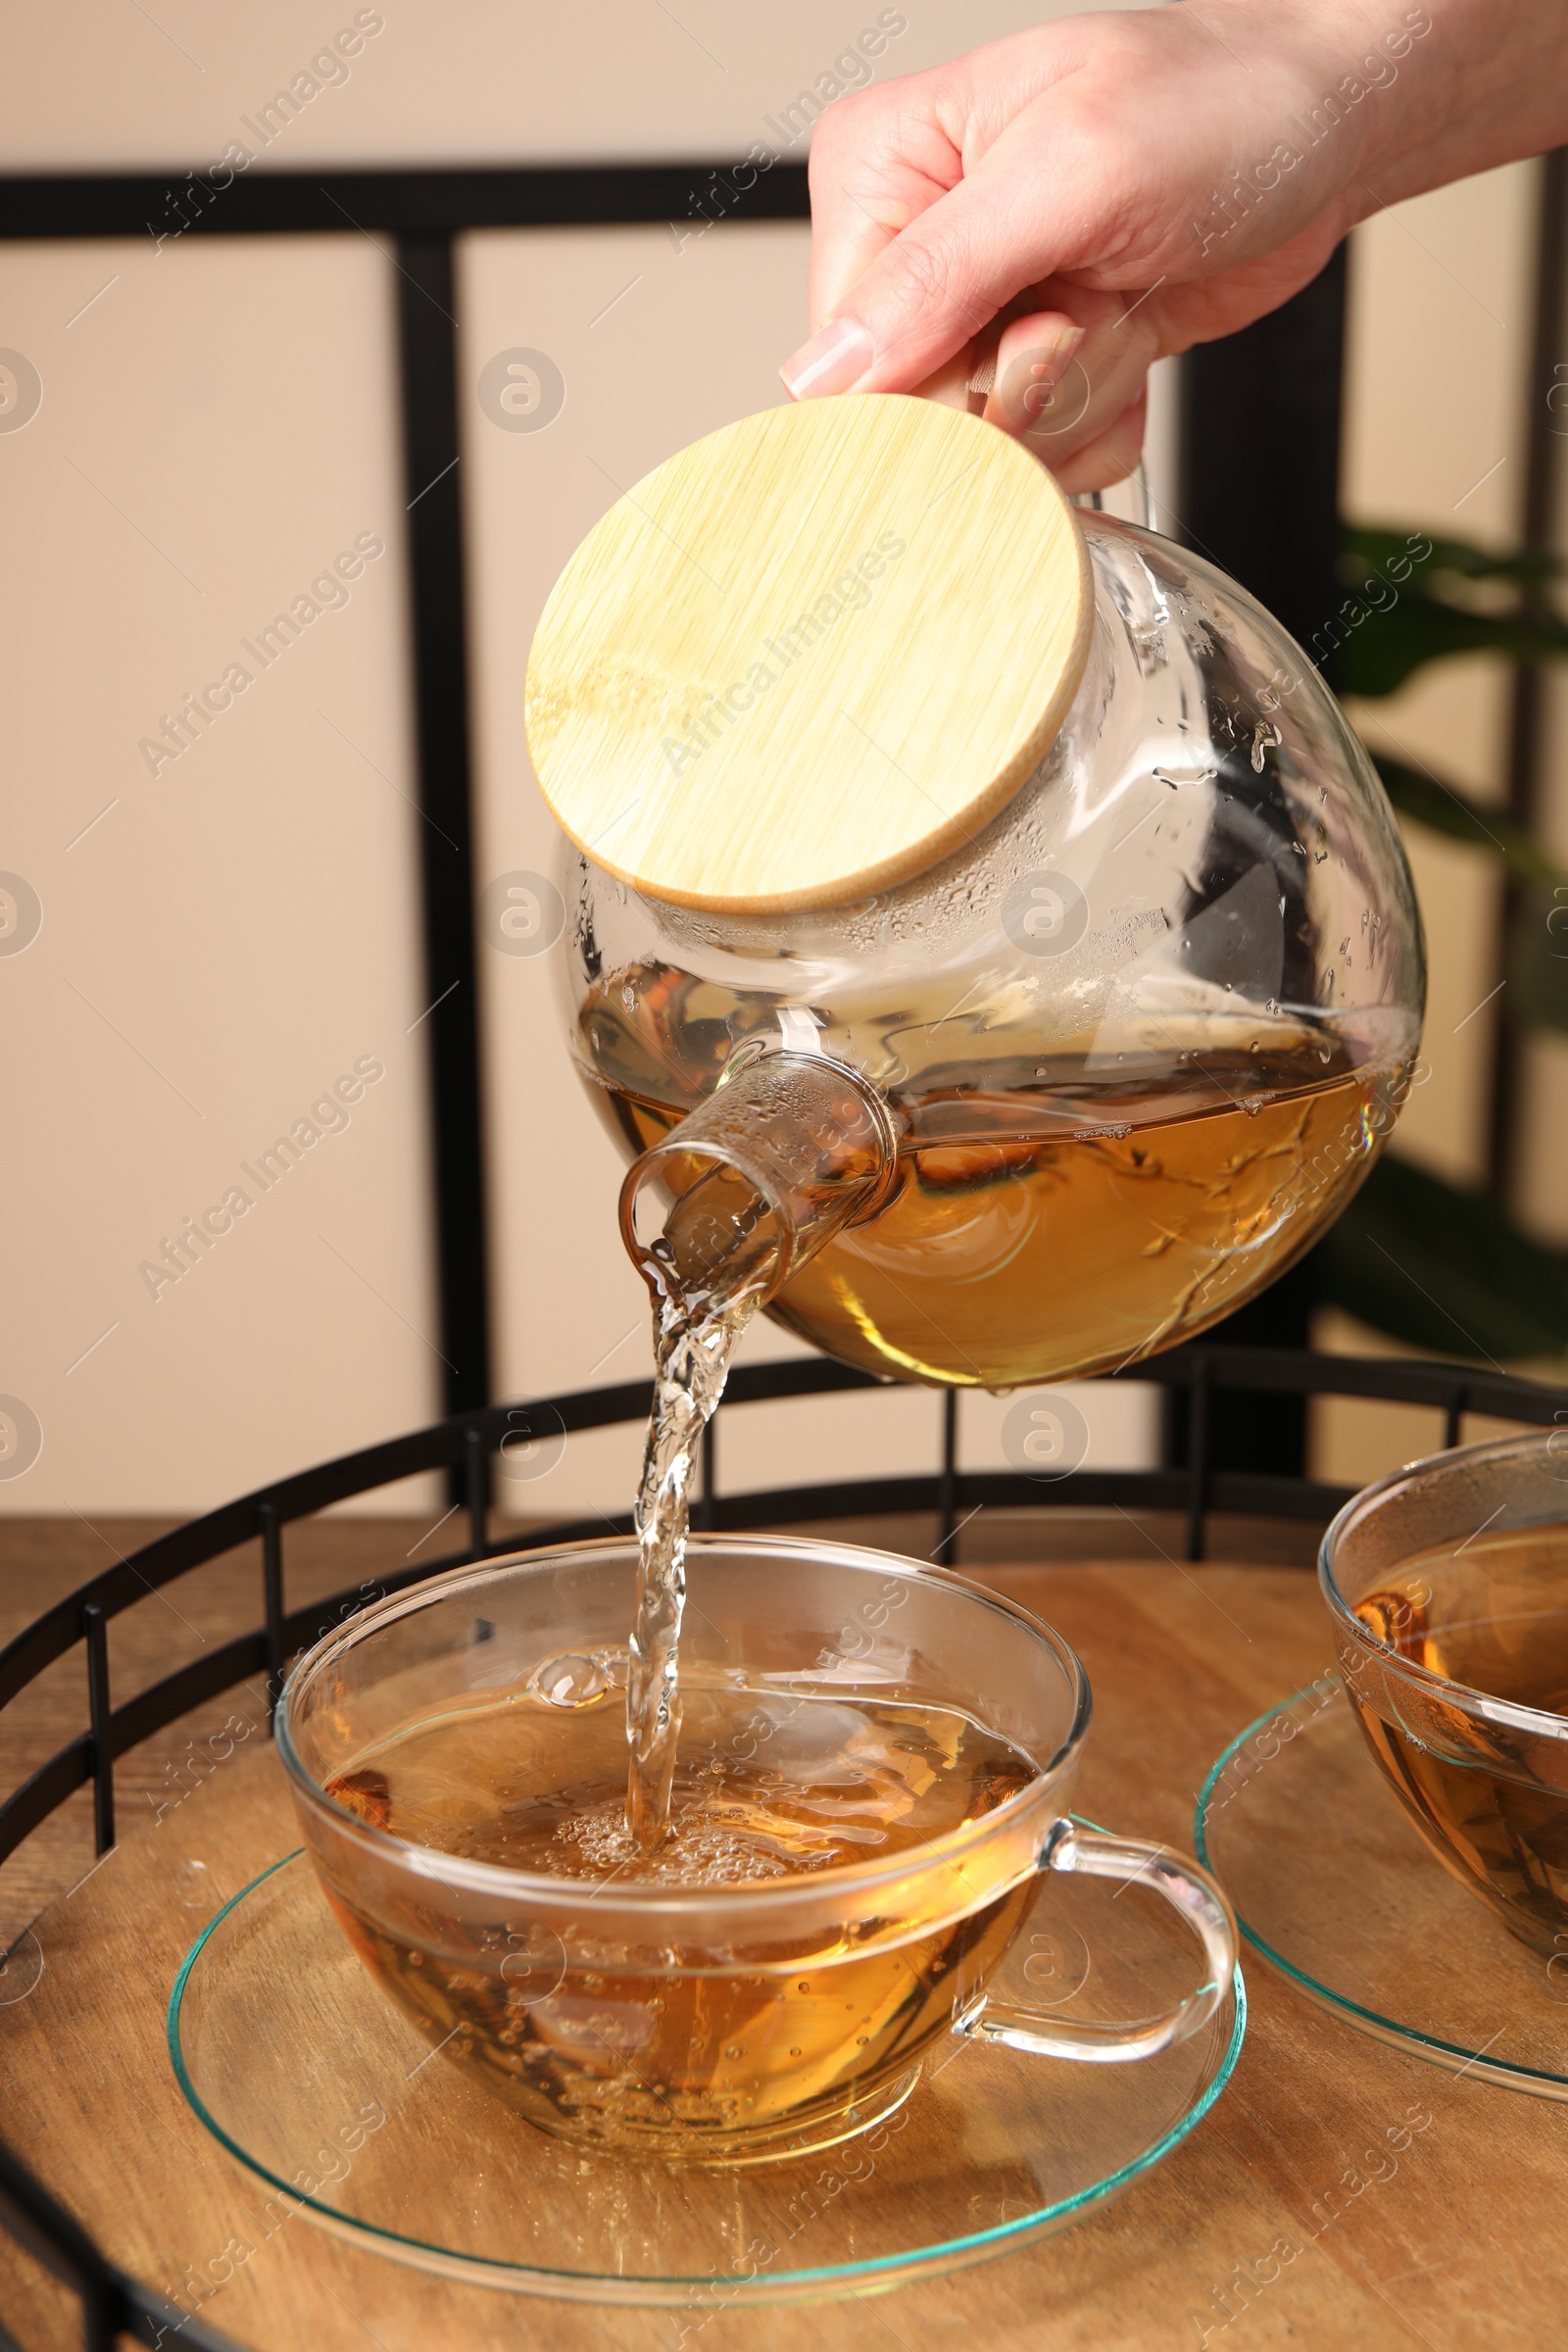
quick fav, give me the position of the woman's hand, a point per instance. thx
(1025, 230)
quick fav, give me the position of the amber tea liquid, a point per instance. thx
(696, 2067)
(1494, 1616)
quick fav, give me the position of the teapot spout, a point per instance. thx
(787, 1151)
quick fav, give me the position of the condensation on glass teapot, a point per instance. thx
(1073, 1088)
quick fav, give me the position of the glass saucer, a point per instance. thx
(294, 2060)
(1335, 1887)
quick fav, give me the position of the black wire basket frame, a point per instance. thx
(113, 2303)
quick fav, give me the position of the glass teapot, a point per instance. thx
(1029, 1082)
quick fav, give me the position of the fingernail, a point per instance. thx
(834, 358)
(1026, 383)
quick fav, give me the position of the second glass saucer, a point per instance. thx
(299, 2065)
(1335, 1887)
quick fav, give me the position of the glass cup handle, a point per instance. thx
(1184, 1885)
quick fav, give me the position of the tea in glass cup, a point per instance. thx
(1448, 1588)
(874, 1760)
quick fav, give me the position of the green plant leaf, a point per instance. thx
(1368, 550)
(1389, 626)
(1443, 1270)
(1538, 942)
(1378, 657)
(1444, 808)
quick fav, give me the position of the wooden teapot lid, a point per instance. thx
(810, 655)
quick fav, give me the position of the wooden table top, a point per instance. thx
(1462, 2244)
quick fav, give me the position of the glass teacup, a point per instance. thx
(728, 2010)
(1448, 1588)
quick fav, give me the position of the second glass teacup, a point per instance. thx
(1449, 1587)
(876, 1760)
